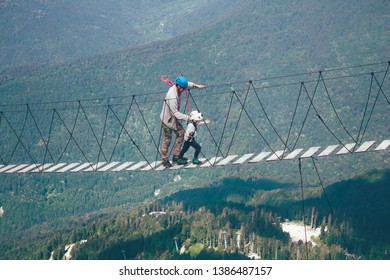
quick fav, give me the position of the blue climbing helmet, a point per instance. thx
(182, 82)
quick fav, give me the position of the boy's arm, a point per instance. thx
(205, 122)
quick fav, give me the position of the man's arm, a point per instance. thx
(193, 85)
(173, 107)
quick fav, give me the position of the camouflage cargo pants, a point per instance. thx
(167, 141)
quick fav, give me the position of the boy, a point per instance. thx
(196, 118)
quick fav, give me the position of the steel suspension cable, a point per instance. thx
(303, 206)
(329, 204)
(224, 126)
(294, 114)
(240, 115)
(49, 137)
(159, 143)
(71, 136)
(371, 112)
(307, 111)
(334, 109)
(93, 132)
(122, 127)
(383, 80)
(102, 139)
(210, 86)
(358, 139)
(40, 133)
(254, 125)
(146, 124)
(323, 122)
(268, 119)
(19, 138)
(131, 138)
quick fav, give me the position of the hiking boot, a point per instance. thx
(182, 161)
(175, 160)
(196, 161)
(167, 164)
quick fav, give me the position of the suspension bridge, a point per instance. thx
(331, 112)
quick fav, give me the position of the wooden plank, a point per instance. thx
(293, 154)
(310, 152)
(81, 167)
(191, 165)
(7, 167)
(152, 166)
(68, 167)
(55, 167)
(227, 160)
(383, 146)
(276, 156)
(29, 168)
(123, 166)
(95, 166)
(365, 146)
(42, 167)
(244, 158)
(259, 157)
(348, 148)
(211, 162)
(17, 168)
(137, 165)
(108, 166)
(328, 150)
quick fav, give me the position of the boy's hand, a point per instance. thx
(207, 121)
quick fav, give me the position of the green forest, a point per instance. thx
(232, 219)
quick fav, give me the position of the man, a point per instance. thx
(170, 119)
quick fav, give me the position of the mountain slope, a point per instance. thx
(198, 219)
(37, 32)
(233, 204)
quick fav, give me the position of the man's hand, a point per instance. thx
(200, 86)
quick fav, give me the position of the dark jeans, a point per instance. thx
(187, 145)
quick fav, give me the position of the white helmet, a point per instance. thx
(196, 116)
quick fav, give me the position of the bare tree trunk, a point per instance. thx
(312, 221)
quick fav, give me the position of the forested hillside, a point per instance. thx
(310, 74)
(235, 219)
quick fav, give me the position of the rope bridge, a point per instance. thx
(271, 116)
